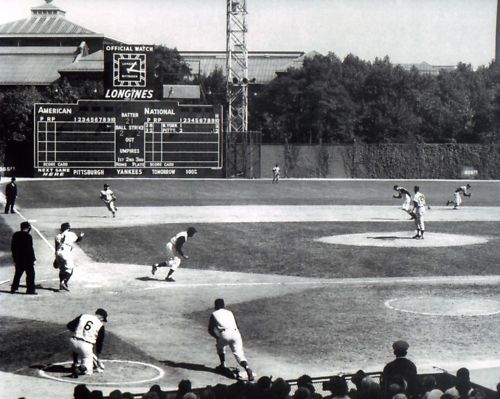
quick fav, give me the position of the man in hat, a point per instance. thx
(24, 259)
(109, 199)
(64, 254)
(401, 371)
(459, 192)
(10, 195)
(223, 327)
(87, 331)
(174, 253)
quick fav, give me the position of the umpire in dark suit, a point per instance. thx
(10, 195)
(24, 259)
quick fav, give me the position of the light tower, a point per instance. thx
(237, 67)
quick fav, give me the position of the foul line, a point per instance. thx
(2, 197)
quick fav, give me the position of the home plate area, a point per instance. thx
(116, 372)
(397, 239)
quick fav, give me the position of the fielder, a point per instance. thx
(64, 254)
(276, 174)
(109, 199)
(459, 192)
(174, 253)
(406, 195)
(87, 330)
(223, 327)
(419, 206)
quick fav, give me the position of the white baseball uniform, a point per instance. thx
(226, 330)
(420, 205)
(109, 199)
(84, 338)
(173, 257)
(405, 194)
(64, 250)
(458, 194)
(276, 174)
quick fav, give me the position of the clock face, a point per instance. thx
(129, 70)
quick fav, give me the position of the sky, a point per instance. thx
(440, 32)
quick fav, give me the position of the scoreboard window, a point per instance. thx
(128, 138)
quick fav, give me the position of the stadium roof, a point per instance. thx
(46, 21)
(37, 65)
(262, 65)
(90, 63)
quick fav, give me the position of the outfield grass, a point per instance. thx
(164, 192)
(291, 249)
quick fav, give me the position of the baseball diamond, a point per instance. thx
(321, 278)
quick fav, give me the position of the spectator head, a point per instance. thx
(399, 396)
(304, 380)
(81, 392)
(221, 391)
(302, 393)
(190, 395)
(280, 388)
(429, 383)
(358, 377)
(264, 383)
(400, 348)
(463, 374)
(207, 393)
(393, 389)
(128, 395)
(96, 394)
(447, 396)
(156, 388)
(116, 394)
(184, 386)
(337, 386)
(219, 303)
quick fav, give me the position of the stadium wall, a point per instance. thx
(384, 161)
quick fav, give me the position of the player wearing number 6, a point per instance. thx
(87, 331)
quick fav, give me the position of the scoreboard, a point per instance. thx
(95, 138)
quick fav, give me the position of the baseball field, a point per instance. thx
(322, 276)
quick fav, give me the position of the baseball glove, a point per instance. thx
(55, 264)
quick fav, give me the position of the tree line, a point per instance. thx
(326, 101)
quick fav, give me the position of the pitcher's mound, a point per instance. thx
(116, 372)
(445, 306)
(403, 239)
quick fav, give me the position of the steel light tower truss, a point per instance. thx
(237, 66)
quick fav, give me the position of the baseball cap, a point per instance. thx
(25, 225)
(103, 313)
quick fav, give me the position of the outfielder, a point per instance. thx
(406, 195)
(64, 254)
(223, 327)
(174, 253)
(109, 199)
(87, 331)
(419, 206)
(276, 174)
(459, 192)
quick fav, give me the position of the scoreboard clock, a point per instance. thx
(128, 138)
(129, 70)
